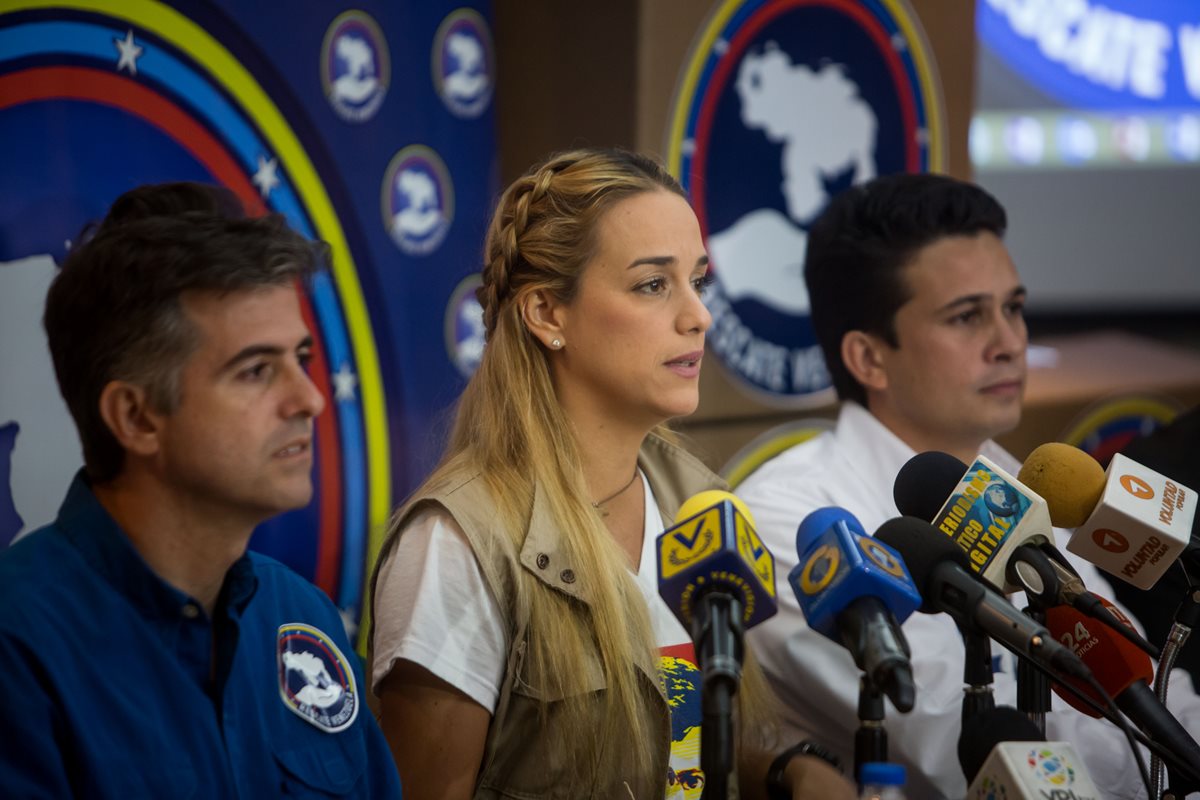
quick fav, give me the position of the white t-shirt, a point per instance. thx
(442, 615)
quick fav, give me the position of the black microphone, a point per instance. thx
(981, 735)
(1027, 558)
(942, 574)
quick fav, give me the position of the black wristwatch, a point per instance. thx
(776, 789)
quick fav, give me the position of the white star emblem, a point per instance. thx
(266, 177)
(128, 53)
(344, 381)
(922, 136)
(899, 43)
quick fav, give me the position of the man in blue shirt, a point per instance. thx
(143, 651)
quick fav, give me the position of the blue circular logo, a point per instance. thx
(355, 68)
(464, 63)
(418, 200)
(1001, 499)
(782, 105)
(315, 680)
(465, 332)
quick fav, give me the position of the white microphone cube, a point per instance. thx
(1140, 526)
(1016, 770)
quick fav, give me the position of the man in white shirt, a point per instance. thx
(919, 311)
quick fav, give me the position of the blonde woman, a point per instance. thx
(520, 647)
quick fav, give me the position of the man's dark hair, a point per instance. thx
(859, 246)
(114, 310)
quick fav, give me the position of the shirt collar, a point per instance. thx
(879, 454)
(101, 543)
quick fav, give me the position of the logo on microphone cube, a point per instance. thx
(1051, 767)
(1040, 769)
(841, 564)
(983, 513)
(716, 547)
(820, 569)
(882, 557)
(1110, 540)
(755, 553)
(1137, 487)
(1140, 526)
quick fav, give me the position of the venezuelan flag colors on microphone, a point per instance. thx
(713, 546)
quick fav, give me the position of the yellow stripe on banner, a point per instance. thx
(1110, 410)
(687, 89)
(190, 38)
(928, 80)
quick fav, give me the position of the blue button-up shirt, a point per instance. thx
(115, 684)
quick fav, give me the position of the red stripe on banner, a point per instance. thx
(104, 88)
(732, 56)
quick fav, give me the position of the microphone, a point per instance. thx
(1115, 663)
(1123, 672)
(981, 734)
(1027, 557)
(718, 578)
(856, 592)
(941, 571)
(989, 513)
(711, 564)
(1033, 771)
(1129, 521)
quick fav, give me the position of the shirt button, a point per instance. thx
(190, 611)
(568, 576)
(543, 560)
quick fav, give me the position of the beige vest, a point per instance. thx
(523, 757)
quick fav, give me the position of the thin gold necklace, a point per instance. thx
(596, 505)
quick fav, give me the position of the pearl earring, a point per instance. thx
(556, 343)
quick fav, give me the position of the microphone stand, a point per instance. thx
(870, 740)
(719, 636)
(1187, 617)
(1033, 687)
(977, 674)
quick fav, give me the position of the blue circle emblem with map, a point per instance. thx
(783, 104)
(465, 331)
(1001, 499)
(418, 200)
(355, 68)
(464, 63)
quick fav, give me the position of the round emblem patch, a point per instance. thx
(781, 105)
(418, 200)
(465, 332)
(315, 680)
(464, 64)
(355, 69)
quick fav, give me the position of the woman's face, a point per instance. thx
(633, 335)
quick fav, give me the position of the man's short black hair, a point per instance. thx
(859, 246)
(114, 312)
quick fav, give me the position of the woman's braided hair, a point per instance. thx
(544, 224)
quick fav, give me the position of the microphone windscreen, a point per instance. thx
(922, 549)
(821, 520)
(1068, 479)
(924, 483)
(707, 499)
(982, 732)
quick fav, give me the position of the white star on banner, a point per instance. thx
(129, 52)
(344, 381)
(266, 177)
